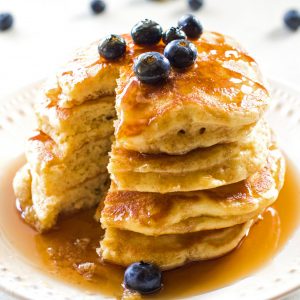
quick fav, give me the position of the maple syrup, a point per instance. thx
(66, 251)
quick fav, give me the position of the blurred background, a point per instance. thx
(45, 32)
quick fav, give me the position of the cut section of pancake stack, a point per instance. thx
(67, 160)
(192, 166)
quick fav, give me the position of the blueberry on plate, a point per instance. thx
(195, 4)
(181, 53)
(6, 21)
(112, 47)
(174, 33)
(97, 6)
(151, 67)
(292, 19)
(191, 26)
(144, 278)
(146, 32)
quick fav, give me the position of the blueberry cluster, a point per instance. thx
(154, 67)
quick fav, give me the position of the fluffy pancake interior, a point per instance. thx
(57, 173)
(41, 211)
(71, 128)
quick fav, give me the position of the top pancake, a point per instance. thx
(218, 99)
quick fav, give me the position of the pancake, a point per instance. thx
(41, 211)
(169, 251)
(218, 100)
(67, 161)
(177, 213)
(56, 173)
(86, 76)
(203, 168)
(71, 128)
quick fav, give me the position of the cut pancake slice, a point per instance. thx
(41, 211)
(67, 162)
(52, 184)
(203, 168)
(169, 251)
(71, 128)
(177, 213)
(86, 76)
(55, 173)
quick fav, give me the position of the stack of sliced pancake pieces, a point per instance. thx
(68, 154)
(192, 165)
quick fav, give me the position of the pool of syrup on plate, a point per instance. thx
(63, 252)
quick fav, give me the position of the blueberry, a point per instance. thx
(112, 47)
(151, 67)
(144, 278)
(191, 26)
(292, 19)
(146, 32)
(97, 6)
(174, 33)
(6, 21)
(181, 53)
(195, 4)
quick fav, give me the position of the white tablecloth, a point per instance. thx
(46, 32)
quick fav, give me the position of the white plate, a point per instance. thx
(21, 280)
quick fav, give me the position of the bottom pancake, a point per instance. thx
(170, 251)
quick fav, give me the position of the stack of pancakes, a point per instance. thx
(192, 166)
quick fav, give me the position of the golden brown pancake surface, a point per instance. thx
(223, 79)
(182, 212)
(170, 251)
(214, 101)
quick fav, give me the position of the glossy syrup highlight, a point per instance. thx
(74, 241)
